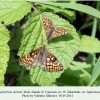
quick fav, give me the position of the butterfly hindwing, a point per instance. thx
(53, 63)
(60, 31)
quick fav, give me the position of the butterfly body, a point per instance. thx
(50, 33)
(44, 58)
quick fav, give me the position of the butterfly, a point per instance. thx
(44, 58)
(51, 30)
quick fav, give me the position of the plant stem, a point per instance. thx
(21, 75)
(93, 35)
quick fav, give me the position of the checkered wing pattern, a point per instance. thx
(51, 30)
(47, 24)
(30, 59)
(49, 62)
(59, 31)
(44, 58)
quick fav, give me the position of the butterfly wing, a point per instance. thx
(31, 58)
(58, 31)
(48, 25)
(49, 62)
(51, 31)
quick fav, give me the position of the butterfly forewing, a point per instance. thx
(47, 24)
(31, 58)
(51, 30)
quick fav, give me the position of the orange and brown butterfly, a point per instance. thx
(44, 58)
(51, 30)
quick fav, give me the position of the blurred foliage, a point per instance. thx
(84, 16)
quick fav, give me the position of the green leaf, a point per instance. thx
(4, 52)
(96, 72)
(79, 65)
(67, 13)
(64, 48)
(12, 11)
(78, 74)
(89, 44)
(26, 81)
(76, 6)
(79, 69)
